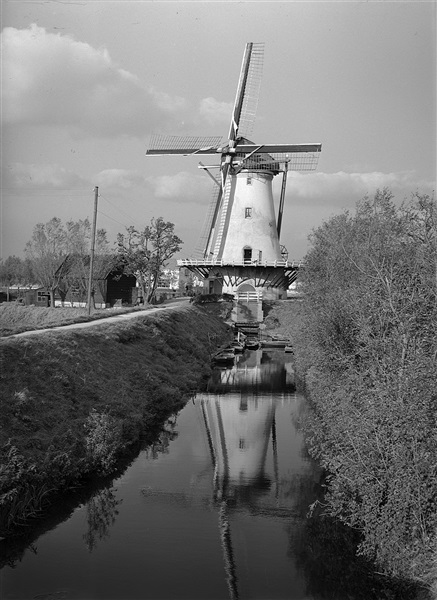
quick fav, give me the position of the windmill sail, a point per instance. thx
(243, 230)
(199, 250)
(183, 145)
(246, 101)
(243, 117)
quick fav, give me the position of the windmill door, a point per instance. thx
(247, 255)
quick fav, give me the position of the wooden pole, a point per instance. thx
(281, 201)
(93, 243)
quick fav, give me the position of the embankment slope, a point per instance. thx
(73, 402)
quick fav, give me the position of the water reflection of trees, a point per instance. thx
(102, 508)
(161, 445)
(101, 512)
(324, 551)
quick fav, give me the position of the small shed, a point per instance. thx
(36, 297)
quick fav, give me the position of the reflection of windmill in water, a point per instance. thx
(255, 371)
(238, 432)
(241, 244)
(239, 428)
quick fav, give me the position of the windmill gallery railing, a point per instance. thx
(188, 262)
(268, 273)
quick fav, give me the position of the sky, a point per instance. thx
(86, 82)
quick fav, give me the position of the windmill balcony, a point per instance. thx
(188, 262)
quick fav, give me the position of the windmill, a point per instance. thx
(241, 245)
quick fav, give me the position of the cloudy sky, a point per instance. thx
(85, 83)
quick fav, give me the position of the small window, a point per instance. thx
(247, 213)
(249, 180)
(247, 255)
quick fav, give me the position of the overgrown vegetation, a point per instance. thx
(73, 403)
(366, 351)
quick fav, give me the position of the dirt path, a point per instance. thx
(179, 305)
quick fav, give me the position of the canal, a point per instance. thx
(215, 509)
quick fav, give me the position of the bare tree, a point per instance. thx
(59, 256)
(47, 249)
(79, 243)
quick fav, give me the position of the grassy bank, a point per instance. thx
(72, 403)
(15, 318)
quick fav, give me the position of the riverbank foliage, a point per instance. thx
(74, 402)
(366, 350)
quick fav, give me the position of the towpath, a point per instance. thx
(179, 305)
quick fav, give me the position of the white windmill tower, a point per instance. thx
(242, 250)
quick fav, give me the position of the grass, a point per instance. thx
(72, 403)
(15, 318)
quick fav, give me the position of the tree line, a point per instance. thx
(57, 257)
(367, 354)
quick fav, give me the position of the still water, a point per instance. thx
(216, 509)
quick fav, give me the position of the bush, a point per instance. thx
(367, 353)
(102, 441)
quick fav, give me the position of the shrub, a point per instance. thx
(367, 353)
(102, 441)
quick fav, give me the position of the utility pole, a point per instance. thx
(93, 244)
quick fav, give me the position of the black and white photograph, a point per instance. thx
(218, 300)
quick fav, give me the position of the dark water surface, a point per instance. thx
(215, 510)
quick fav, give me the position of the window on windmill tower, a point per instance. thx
(247, 212)
(247, 255)
(249, 180)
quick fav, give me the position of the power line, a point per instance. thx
(112, 218)
(119, 209)
(46, 190)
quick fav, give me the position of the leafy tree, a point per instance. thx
(15, 271)
(145, 253)
(367, 351)
(11, 270)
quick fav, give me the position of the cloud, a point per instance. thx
(343, 190)
(213, 111)
(121, 179)
(53, 79)
(19, 176)
(180, 187)
(49, 79)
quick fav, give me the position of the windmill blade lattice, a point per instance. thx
(202, 242)
(251, 92)
(295, 161)
(183, 145)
